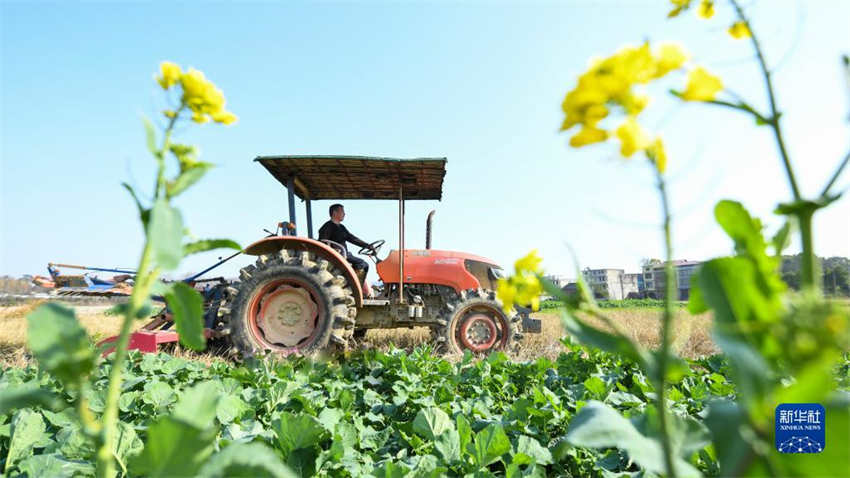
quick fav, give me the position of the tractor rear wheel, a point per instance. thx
(476, 322)
(291, 303)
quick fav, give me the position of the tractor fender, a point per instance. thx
(272, 245)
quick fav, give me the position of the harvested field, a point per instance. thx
(691, 337)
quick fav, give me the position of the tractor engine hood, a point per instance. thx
(459, 270)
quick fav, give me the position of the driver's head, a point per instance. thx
(336, 212)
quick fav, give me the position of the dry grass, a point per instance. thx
(13, 328)
(691, 335)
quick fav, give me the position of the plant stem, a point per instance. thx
(774, 119)
(105, 460)
(804, 215)
(160, 158)
(144, 281)
(667, 325)
(809, 265)
(835, 176)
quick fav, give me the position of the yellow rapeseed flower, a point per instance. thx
(706, 9)
(224, 117)
(634, 103)
(506, 293)
(529, 263)
(588, 135)
(200, 95)
(678, 6)
(200, 118)
(582, 106)
(670, 57)
(169, 74)
(528, 290)
(739, 30)
(658, 155)
(632, 136)
(524, 287)
(702, 86)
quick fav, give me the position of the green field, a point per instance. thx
(376, 413)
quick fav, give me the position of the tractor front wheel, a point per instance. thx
(476, 322)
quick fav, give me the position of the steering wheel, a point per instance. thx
(372, 249)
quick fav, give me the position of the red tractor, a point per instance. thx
(302, 296)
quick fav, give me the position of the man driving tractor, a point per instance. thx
(334, 231)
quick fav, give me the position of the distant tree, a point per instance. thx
(792, 278)
(836, 280)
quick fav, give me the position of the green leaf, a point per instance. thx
(729, 286)
(428, 466)
(595, 386)
(297, 431)
(208, 245)
(431, 422)
(62, 419)
(230, 407)
(54, 464)
(464, 432)
(150, 137)
(781, 239)
(447, 444)
(696, 304)
(726, 420)
(187, 308)
(246, 460)
(28, 429)
(186, 179)
(752, 375)
(173, 448)
(128, 442)
(489, 445)
(159, 394)
(600, 426)
(72, 443)
(29, 396)
(144, 213)
(805, 206)
(165, 234)
(529, 448)
(329, 417)
(741, 227)
(388, 469)
(746, 232)
(60, 344)
(198, 405)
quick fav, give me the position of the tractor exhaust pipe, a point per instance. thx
(428, 229)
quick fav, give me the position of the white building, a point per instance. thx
(654, 282)
(612, 284)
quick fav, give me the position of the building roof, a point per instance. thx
(358, 177)
(676, 263)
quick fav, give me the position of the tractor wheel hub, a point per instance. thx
(478, 332)
(287, 315)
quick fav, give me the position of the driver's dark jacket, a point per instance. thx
(338, 233)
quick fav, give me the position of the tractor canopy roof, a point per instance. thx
(358, 177)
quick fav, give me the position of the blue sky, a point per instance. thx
(477, 82)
